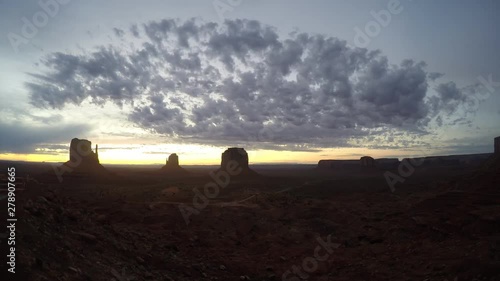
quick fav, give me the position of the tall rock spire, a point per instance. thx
(96, 153)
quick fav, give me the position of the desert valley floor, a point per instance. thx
(440, 224)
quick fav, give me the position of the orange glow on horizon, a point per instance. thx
(204, 155)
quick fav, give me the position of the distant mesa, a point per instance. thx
(364, 163)
(81, 150)
(172, 167)
(82, 160)
(338, 164)
(367, 161)
(173, 160)
(469, 160)
(239, 155)
(437, 161)
(450, 161)
(234, 159)
(497, 145)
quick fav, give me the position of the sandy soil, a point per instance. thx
(438, 225)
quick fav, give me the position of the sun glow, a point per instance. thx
(190, 154)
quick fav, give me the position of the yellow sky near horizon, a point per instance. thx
(205, 155)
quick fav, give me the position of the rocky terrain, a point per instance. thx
(438, 222)
(435, 226)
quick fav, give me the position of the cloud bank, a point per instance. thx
(241, 82)
(23, 138)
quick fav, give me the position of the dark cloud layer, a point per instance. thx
(241, 82)
(21, 138)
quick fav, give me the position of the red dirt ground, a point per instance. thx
(438, 225)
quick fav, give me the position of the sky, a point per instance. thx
(290, 81)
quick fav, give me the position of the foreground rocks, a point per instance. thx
(443, 227)
(446, 230)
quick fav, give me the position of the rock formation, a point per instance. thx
(236, 158)
(362, 163)
(429, 162)
(367, 161)
(82, 160)
(239, 155)
(81, 150)
(468, 160)
(172, 167)
(173, 160)
(497, 145)
(338, 164)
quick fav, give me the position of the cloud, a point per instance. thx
(451, 98)
(134, 30)
(468, 145)
(118, 32)
(240, 82)
(53, 119)
(23, 138)
(433, 76)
